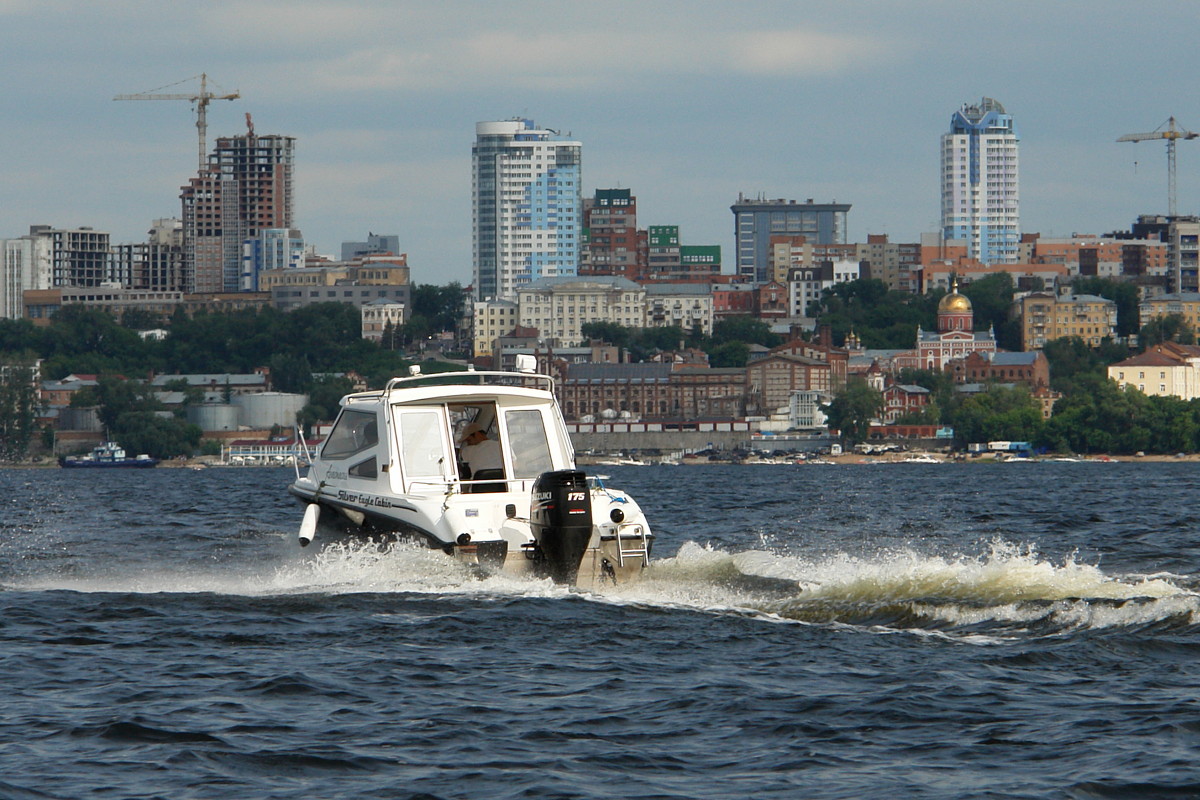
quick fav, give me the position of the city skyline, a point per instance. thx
(840, 102)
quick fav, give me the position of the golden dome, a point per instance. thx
(954, 303)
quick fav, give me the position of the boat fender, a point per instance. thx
(308, 528)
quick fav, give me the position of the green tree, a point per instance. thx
(744, 329)
(991, 302)
(879, 317)
(440, 306)
(852, 410)
(1124, 294)
(116, 396)
(156, 435)
(18, 407)
(1000, 413)
(1074, 365)
(1169, 328)
(730, 354)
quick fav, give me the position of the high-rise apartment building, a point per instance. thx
(755, 221)
(246, 187)
(271, 249)
(26, 266)
(610, 234)
(980, 192)
(527, 206)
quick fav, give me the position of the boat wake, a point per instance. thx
(1000, 593)
(1008, 590)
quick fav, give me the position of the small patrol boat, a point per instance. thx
(395, 464)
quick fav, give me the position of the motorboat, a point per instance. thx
(395, 465)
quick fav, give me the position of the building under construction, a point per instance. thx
(245, 188)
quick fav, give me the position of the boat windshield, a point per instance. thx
(354, 432)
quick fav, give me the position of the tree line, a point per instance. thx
(304, 350)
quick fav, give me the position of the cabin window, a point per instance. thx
(422, 449)
(366, 469)
(527, 440)
(354, 432)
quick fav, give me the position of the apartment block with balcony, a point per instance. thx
(1046, 317)
(687, 305)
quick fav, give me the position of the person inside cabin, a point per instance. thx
(482, 456)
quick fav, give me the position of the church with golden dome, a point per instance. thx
(955, 337)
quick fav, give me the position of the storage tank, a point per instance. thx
(80, 419)
(214, 416)
(260, 411)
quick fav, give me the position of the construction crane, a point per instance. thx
(1172, 134)
(199, 100)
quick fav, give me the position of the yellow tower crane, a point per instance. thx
(1172, 134)
(200, 100)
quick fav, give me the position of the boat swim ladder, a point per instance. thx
(640, 548)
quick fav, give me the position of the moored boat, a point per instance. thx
(107, 455)
(477, 464)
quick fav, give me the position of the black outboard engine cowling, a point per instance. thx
(561, 519)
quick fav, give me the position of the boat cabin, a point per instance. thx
(409, 440)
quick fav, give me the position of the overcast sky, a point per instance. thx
(684, 103)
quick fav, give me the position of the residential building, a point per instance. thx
(355, 293)
(375, 245)
(980, 191)
(755, 221)
(527, 206)
(1183, 247)
(49, 257)
(1025, 277)
(898, 264)
(559, 307)
(1046, 316)
(805, 284)
(492, 319)
(688, 305)
(1182, 304)
(698, 262)
(271, 249)
(610, 235)
(771, 301)
(58, 393)
(41, 304)
(25, 266)
(379, 316)
(733, 300)
(246, 187)
(357, 282)
(1166, 370)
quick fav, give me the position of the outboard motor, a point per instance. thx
(561, 520)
